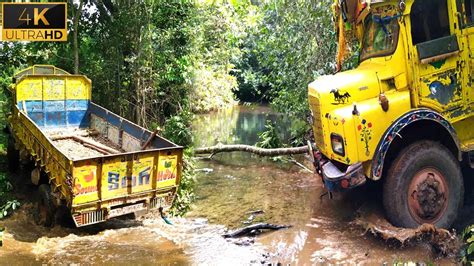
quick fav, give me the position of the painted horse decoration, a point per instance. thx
(340, 98)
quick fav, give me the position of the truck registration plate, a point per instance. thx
(126, 209)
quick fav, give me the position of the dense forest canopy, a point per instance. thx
(151, 61)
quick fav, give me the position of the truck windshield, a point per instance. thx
(380, 37)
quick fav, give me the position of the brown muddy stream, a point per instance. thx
(228, 188)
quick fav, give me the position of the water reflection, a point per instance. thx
(240, 124)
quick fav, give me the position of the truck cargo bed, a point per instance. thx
(83, 143)
(95, 160)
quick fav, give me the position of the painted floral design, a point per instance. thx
(365, 130)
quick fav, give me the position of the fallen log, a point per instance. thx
(254, 229)
(252, 149)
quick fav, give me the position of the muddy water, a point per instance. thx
(234, 184)
(228, 188)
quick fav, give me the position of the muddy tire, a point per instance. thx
(62, 217)
(13, 155)
(45, 209)
(423, 185)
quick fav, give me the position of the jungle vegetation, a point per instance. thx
(159, 62)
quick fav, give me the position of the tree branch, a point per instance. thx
(251, 149)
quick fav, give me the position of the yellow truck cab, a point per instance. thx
(405, 115)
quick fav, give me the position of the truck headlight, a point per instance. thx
(337, 143)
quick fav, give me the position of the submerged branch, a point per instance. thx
(252, 149)
(254, 229)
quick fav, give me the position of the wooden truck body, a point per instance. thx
(92, 159)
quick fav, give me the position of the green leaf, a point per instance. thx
(470, 249)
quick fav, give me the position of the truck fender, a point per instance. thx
(394, 131)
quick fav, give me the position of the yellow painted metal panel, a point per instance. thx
(30, 89)
(167, 169)
(85, 175)
(114, 178)
(142, 172)
(77, 89)
(54, 89)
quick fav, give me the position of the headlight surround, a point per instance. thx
(337, 143)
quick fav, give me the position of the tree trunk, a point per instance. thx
(251, 149)
(77, 16)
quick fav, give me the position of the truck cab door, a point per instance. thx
(438, 61)
(466, 9)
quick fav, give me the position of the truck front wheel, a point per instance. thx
(423, 185)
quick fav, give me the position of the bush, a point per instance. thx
(212, 90)
(178, 129)
(185, 195)
(269, 138)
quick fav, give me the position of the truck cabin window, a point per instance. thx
(380, 36)
(429, 20)
(468, 9)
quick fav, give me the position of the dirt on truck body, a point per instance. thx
(88, 160)
(405, 115)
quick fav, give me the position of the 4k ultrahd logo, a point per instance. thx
(34, 22)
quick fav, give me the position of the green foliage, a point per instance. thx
(177, 129)
(353, 60)
(8, 208)
(292, 44)
(218, 30)
(185, 194)
(298, 132)
(269, 138)
(212, 90)
(7, 203)
(467, 253)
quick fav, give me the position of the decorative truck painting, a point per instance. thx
(405, 115)
(87, 159)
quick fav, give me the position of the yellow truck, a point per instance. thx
(87, 160)
(405, 115)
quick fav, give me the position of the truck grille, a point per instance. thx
(317, 123)
(87, 218)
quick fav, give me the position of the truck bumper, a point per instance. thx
(83, 218)
(336, 180)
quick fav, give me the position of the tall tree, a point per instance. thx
(77, 15)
